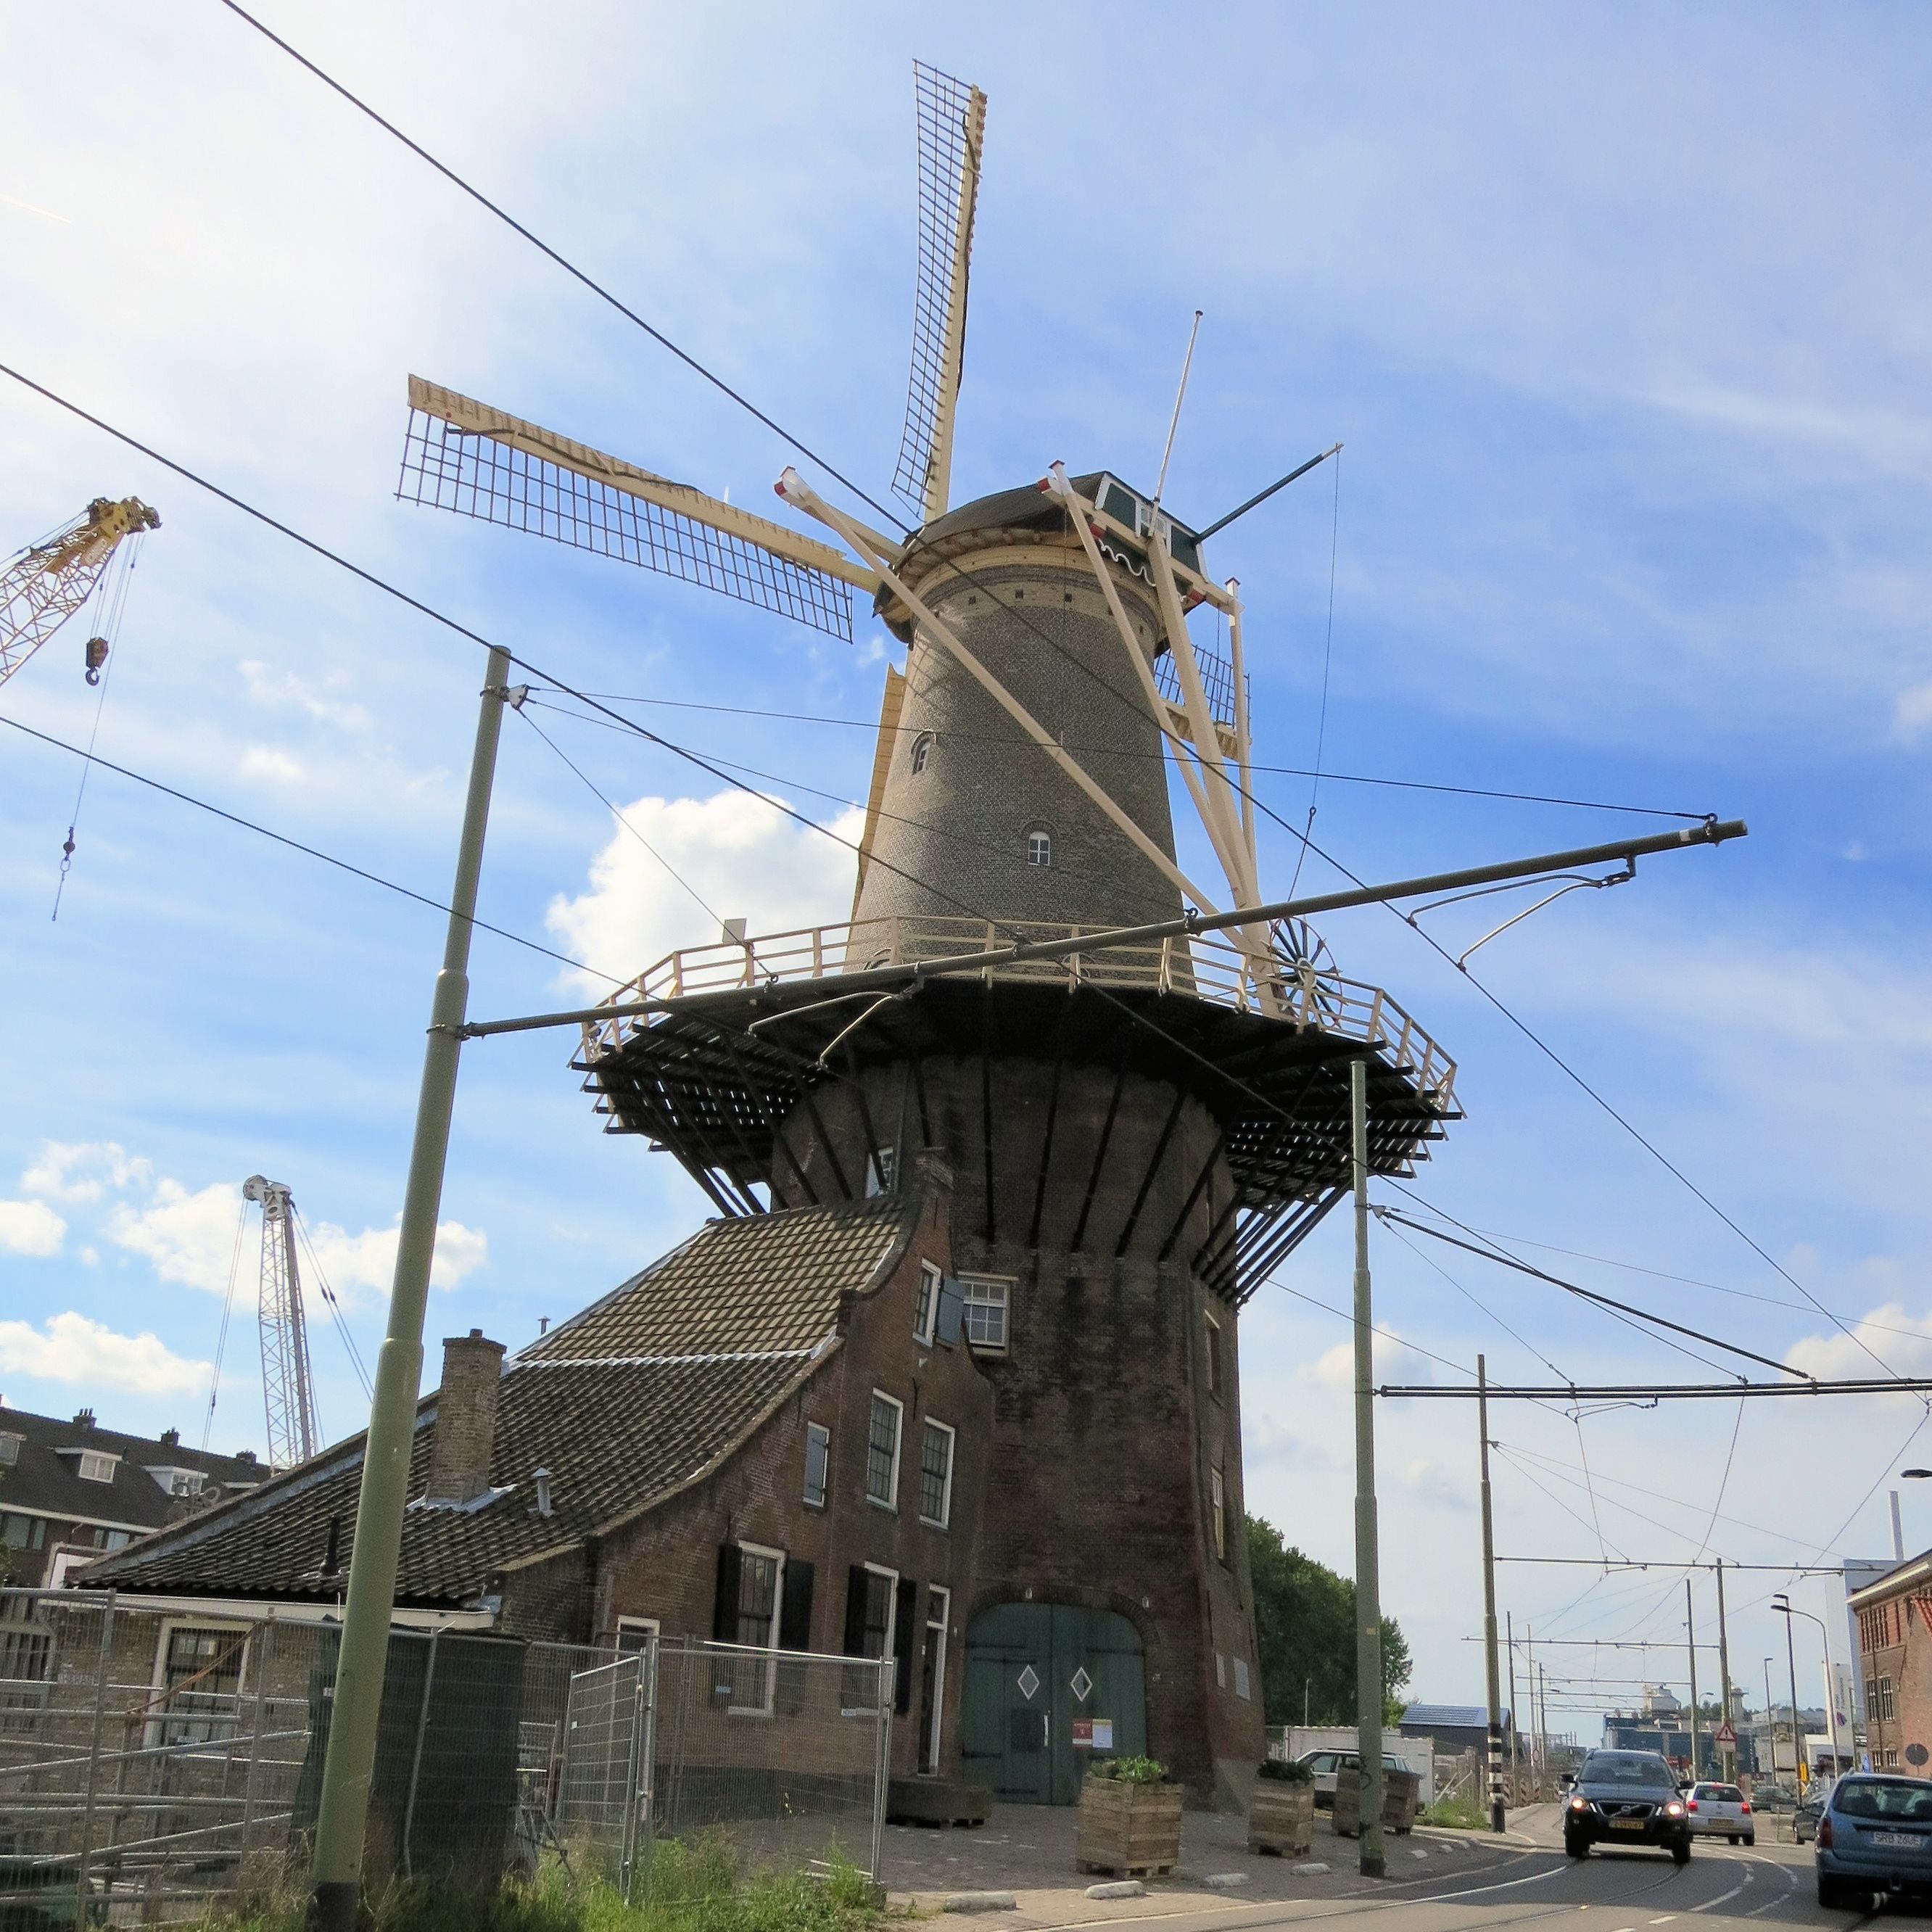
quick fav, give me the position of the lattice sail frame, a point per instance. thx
(459, 455)
(951, 116)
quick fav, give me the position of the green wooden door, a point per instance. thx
(1032, 1671)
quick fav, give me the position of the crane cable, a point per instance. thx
(113, 600)
(221, 1339)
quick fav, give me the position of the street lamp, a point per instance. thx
(1771, 1716)
(1782, 1604)
(1897, 1530)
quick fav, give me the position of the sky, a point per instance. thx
(1621, 315)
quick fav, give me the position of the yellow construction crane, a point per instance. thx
(46, 583)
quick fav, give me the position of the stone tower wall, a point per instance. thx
(951, 838)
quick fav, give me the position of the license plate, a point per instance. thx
(1901, 1840)
(1627, 1824)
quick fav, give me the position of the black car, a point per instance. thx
(1626, 1798)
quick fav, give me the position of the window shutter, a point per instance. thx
(855, 1610)
(903, 1635)
(724, 1607)
(795, 1617)
(952, 1310)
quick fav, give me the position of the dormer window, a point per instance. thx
(10, 1449)
(177, 1481)
(93, 1465)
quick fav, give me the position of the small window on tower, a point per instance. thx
(1039, 847)
(921, 750)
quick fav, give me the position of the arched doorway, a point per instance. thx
(1048, 1687)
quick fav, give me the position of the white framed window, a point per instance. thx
(761, 1591)
(984, 1314)
(634, 1634)
(1218, 1498)
(925, 1303)
(922, 751)
(198, 1681)
(1039, 847)
(882, 1450)
(97, 1467)
(817, 1463)
(9, 1448)
(935, 1475)
(882, 1172)
(932, 1678)
(1211, 1350)
(1240, 1677)
(24, 1532)
(878, 1627)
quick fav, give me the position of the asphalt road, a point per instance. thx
(1542, 1890)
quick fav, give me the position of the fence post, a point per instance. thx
(93, 1755)
(888, 1690)
(644, 1759)
(416, 1762)
(263, 1665)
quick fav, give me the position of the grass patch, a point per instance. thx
(694, 1886)
(1459, 1813)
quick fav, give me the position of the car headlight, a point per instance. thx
(1673, 1809)
(1579, 1804)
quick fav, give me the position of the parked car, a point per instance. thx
(1875, 1834)
(1804, 1819)
(1768, 1794)
(1626, 1798)
(1720, 1811)
(1324, 1764)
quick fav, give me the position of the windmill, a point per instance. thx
(1129, 1140)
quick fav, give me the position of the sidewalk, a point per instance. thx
(1027, 1851)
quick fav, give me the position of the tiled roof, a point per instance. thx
(43, 1482)
(1450, 1716)
(623, 1404)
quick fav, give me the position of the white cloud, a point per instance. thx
(72, 1348)
(270, 687)
(1902, 1342)
(191, 1238)
(368, 1260)
(741, 853)
(1913, 711)
(269, 762)
(82, 1170)
(188, 1237)
(30, 1228)
(1395, 1361)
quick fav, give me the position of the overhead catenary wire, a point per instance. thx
(570, 267)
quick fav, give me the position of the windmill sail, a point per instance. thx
(952, 127)
(461, 454)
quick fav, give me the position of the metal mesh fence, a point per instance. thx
(153, 1764)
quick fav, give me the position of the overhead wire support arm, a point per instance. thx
(1710, 831)
(1650, 1392)
(1262, 496)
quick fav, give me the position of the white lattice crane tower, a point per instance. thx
(287, 1392)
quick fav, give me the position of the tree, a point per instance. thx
(1305, 1621)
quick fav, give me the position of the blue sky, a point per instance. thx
(1622, 315)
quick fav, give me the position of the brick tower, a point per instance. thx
(1134, 1139)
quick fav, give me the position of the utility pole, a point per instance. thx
(349, 1767)
(1797, 1736)
(1368, 1584)
(1535, 1730)
(1729, 1723)
(1691, 1639)
(1491, 1670)
(1771, 1718)
(1516, 1713)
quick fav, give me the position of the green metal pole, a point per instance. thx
(1368, 1585)
(1492, 1665)
(349, 1765)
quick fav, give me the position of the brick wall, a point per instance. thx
(665, 1565)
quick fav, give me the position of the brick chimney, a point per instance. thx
(466, 1419)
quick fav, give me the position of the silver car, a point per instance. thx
(1720, 1811)
(1324, 1764)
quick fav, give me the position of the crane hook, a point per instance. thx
(96, 656)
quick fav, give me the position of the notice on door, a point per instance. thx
(1094, 1734)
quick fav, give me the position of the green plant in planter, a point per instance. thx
(1129, 1770)
(1281, 1771)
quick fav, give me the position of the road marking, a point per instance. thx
(1665, 1920)
(1711, 1904)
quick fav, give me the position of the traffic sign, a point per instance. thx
(1726, 1737)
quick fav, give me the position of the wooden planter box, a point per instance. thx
(1132, 1830)
(1402, 1792)
(1281, 1820)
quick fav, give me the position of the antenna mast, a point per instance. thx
(1160, 484)
(288, 1396)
